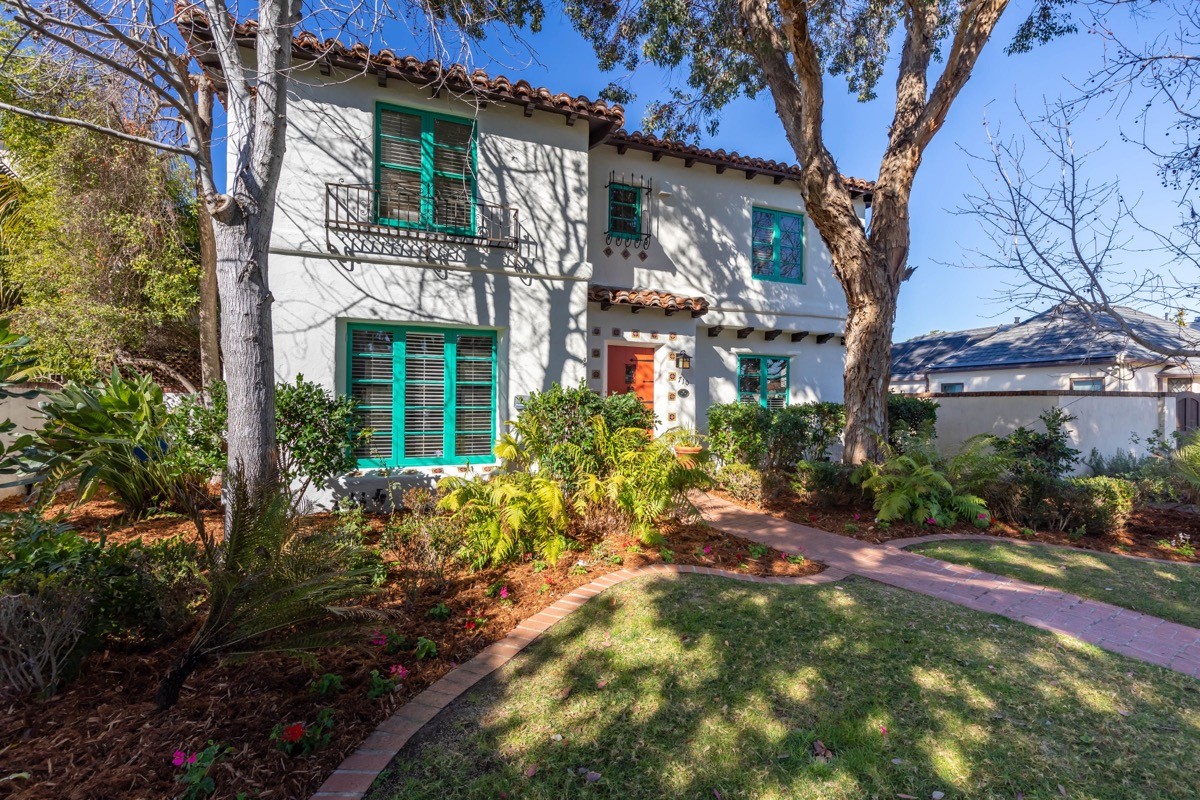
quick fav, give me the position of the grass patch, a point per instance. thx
(1170, 591)
(704, 688)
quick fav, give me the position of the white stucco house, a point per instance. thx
(447, 242)
(996, 378)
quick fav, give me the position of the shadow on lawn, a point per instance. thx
(703, 688)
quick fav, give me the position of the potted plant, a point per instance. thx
(688, 445)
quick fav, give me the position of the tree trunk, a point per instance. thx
(210, 329)
(242, 249)
(171, 685)
(872, 313)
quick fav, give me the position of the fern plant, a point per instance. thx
(1185, 466)
(274, 586)
(508, 514)
(907, 488)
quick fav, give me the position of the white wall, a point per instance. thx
(701, 241)
(1057, 378)
(1104, 423)
(25, 415)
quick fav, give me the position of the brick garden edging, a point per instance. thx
(904, 544)
(354, 776)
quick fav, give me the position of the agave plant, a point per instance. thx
(274, 586)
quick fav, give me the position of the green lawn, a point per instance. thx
(706, 688)
(1170, 591)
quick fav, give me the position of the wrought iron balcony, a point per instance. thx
(391, 209)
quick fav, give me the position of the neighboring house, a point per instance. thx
(994, 379)
(446, 243)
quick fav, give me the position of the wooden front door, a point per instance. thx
(631, 369)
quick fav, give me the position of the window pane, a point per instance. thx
(790, 263)
(456, 163)
(423, 446)
(452, 202)
(379, 444)
(750, 376)
(399, 124)
(424, 394)
(475, 346)
(624, 214)
(379, 342)
(372, 394)
(453, 134)
(399, 195)
(371, 368)
(777, 374)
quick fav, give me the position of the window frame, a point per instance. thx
(943, 388)
(450, 359)
(1087, 380)
(1179, 381)
(637, 210)
(763, 393)
(776, 245)
(427, 172)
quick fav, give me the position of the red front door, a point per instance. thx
(631, 369)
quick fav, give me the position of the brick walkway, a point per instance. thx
(1130, 633)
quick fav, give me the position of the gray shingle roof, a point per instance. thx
(1061, 335)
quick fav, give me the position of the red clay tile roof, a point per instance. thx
(386, 64)
(647, 298)
(624, 140)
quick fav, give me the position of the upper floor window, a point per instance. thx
(428, 395)
(777, 245)
(1179, 385)
(624, 211)
(951, 388)
(1087, 384)
(763, 380)
(425, 168)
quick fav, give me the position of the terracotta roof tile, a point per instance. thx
(624, 140)
(359, 57)
(647, 298)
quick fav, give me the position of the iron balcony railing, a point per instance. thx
(391, 209)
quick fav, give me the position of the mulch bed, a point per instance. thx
(1146, 527)
(102, 737)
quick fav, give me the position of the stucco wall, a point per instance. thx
(1104, 423)
(1115, 378)
(700, 226)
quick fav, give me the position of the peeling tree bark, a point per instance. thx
(210, 327)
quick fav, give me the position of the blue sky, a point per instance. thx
(939, 296)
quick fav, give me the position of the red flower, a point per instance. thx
(293, 733)
(469, 625)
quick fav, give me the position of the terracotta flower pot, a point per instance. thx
(686, 454)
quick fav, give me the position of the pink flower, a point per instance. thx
(856, 516)
(179, 759)
(707, 549)
(931, 521)
(883, 729)
(398, 672)
(982, 515)
(378, 639)
(503, 592)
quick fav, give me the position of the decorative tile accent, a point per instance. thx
(595, 354)
(636, 334)
(653, 334)
(608, 251)
(437, 470)
(625, 253)
(596, 374)
(616, 331)
(673, 336)
(670, 395)
(464, 469)
(595, 331)
(488, 469)
(642, 255)
(671, 376)
(671, 417)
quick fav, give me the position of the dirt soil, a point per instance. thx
(102, 737)
(1146, 527)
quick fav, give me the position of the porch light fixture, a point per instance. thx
(683, 360)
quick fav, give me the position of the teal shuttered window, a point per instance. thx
(624, 211)
(425, 168)
(427, 394)
(777, 246)
(763, 380)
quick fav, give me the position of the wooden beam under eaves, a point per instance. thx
(824, 337)
(750, 174)
(721, 168)
(697, 314)
(771, 336)
(572, 117)
(715, 330)
(656, 155)
(605, 305)
(529, 109)
(622, 149)
(324, 66)
(381, 75)
(635, 309)
(689, 162)
(779, 179)
(744, 332)
(798, 336)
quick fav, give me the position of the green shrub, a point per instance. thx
(508, 514)
(909, 489)
(741, 481)
(561, 416)
(113, 433)
(1039, 463)
(826, 483)
(745, 433)
(1185, 466)
(1099, 504)
(910, 417)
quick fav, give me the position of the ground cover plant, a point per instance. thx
(645, 693)
(1169, 591)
